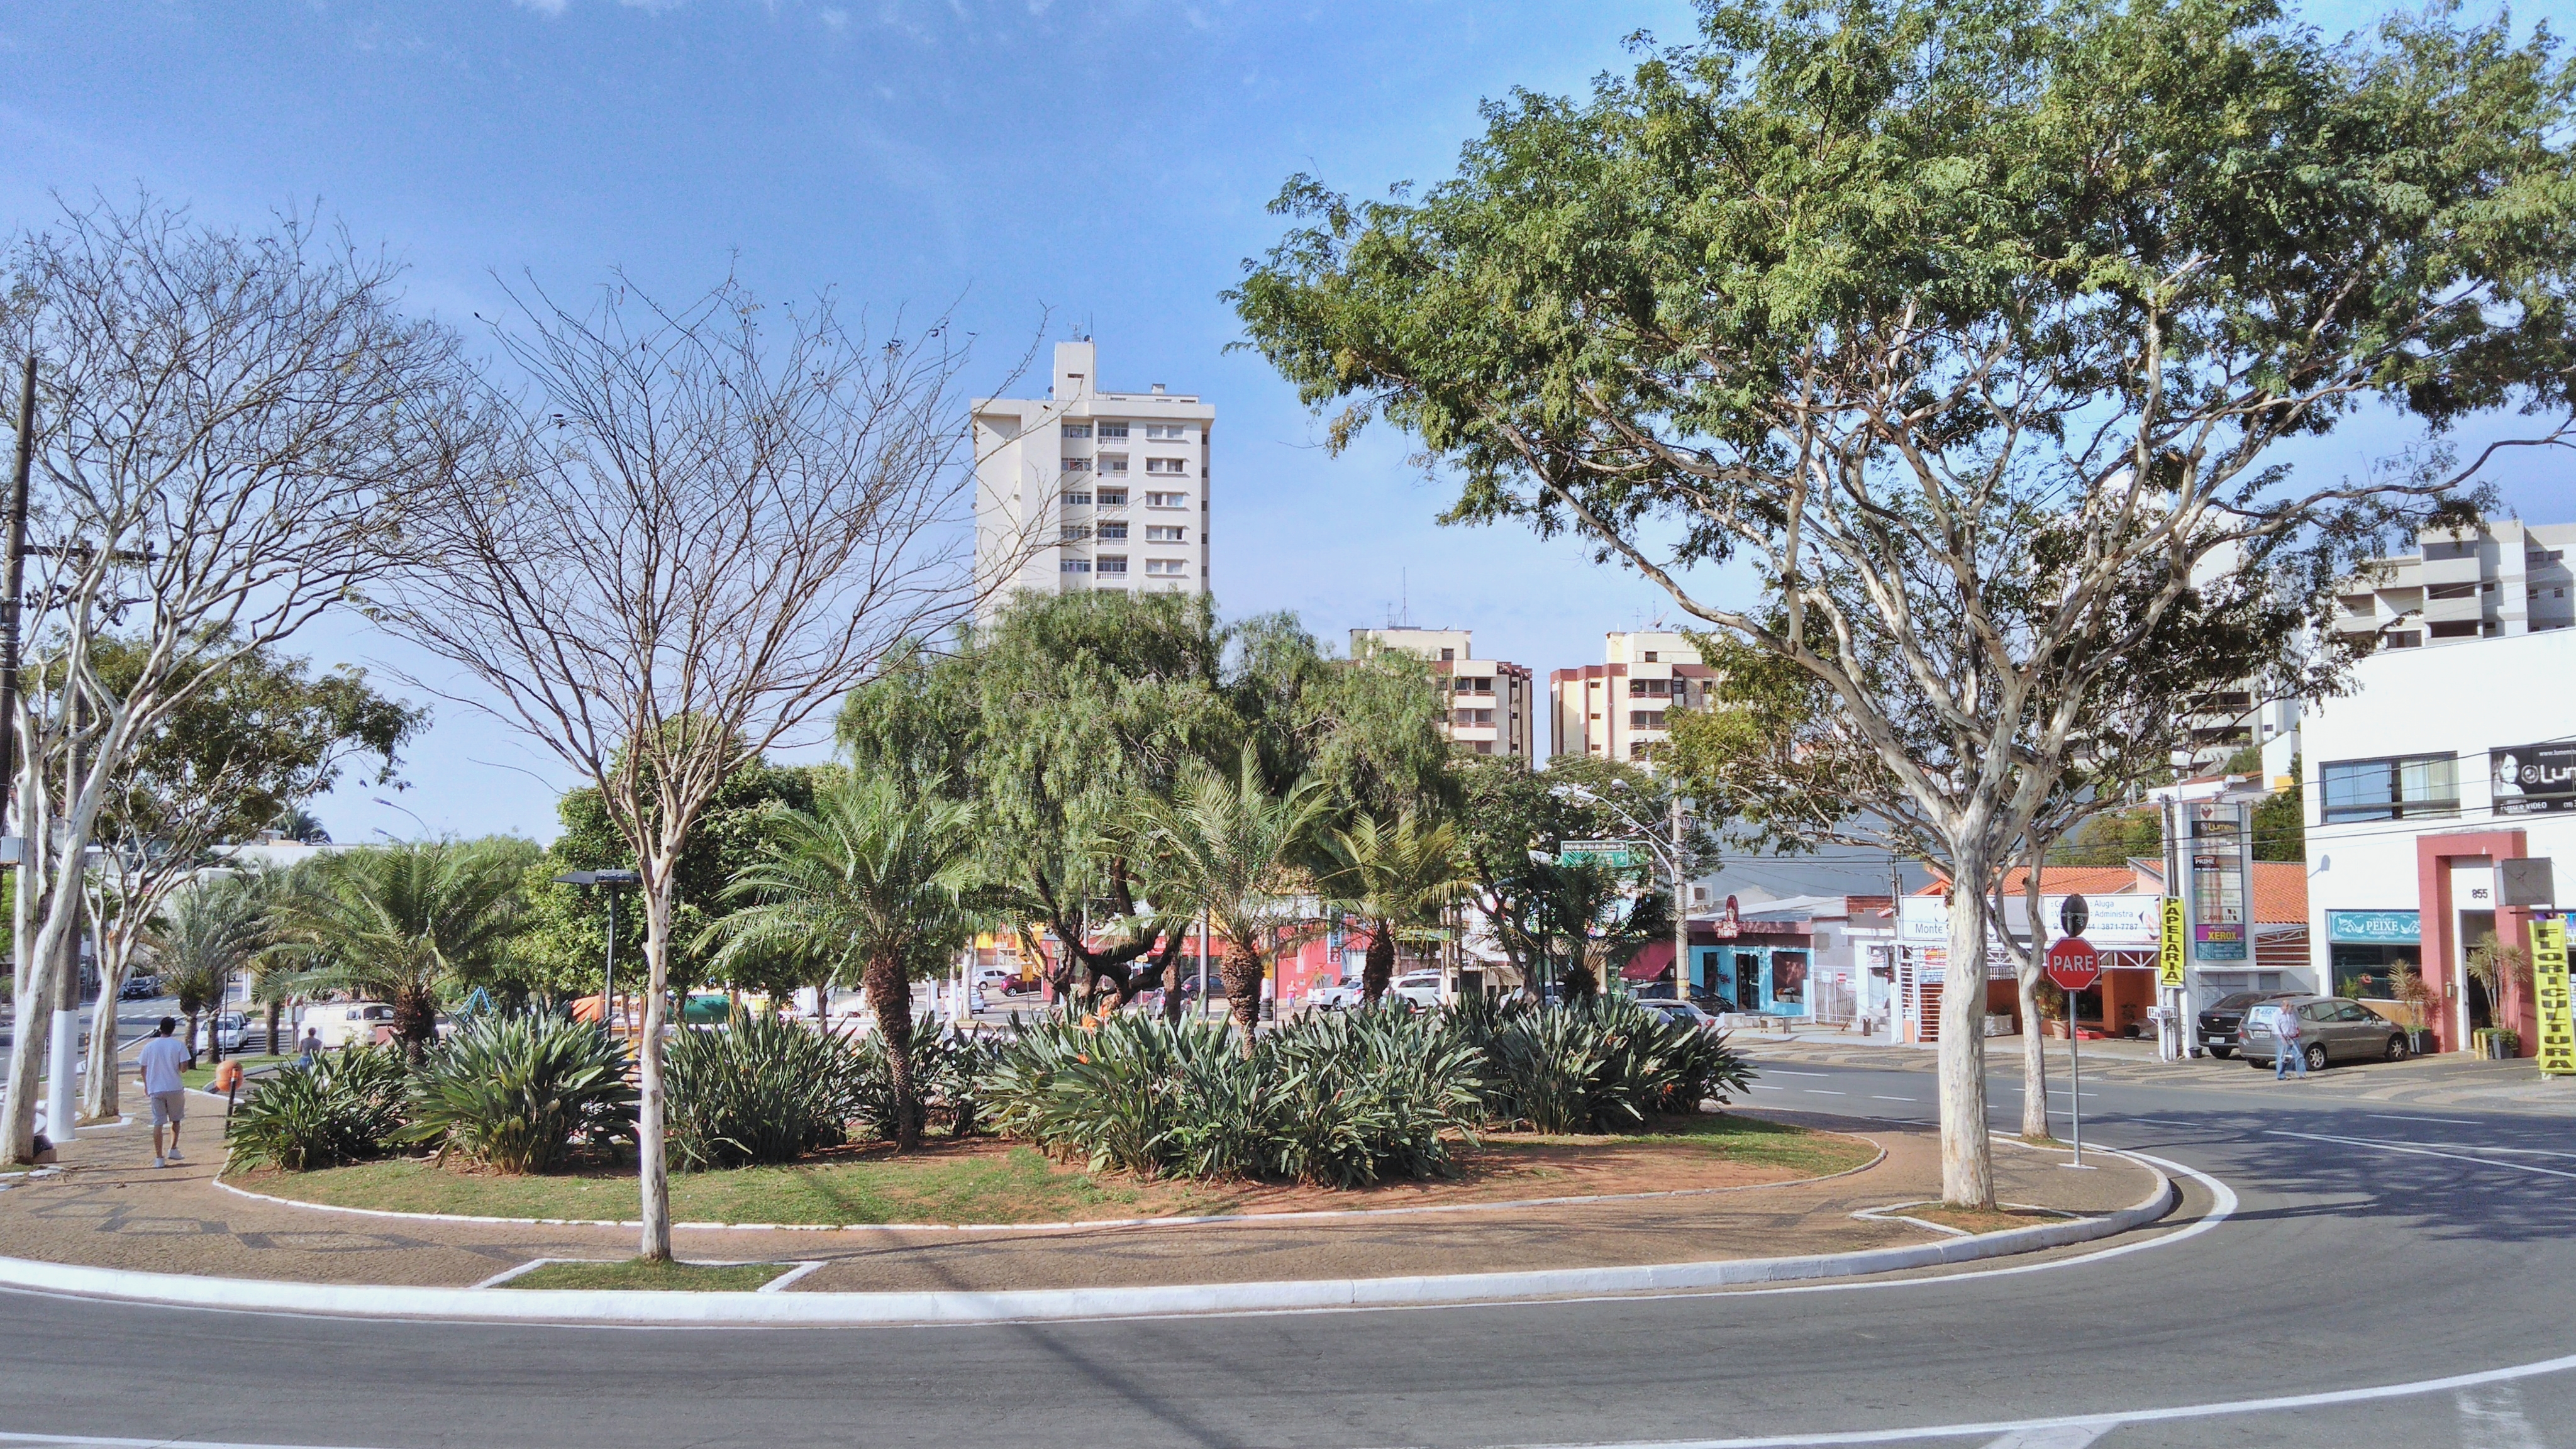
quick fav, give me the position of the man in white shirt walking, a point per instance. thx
(161, 1061)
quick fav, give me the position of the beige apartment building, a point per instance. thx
(2493, 582)
(1617, 709)
(1492, 703)
(1087, 488)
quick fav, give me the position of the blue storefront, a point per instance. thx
(1758, 970)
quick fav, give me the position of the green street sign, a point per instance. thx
(1615, 854)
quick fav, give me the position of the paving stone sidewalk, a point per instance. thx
(110, 1208)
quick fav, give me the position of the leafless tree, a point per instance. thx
(228, 426)
(716, 519)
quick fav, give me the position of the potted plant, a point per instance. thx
(2416, 999)
(2051, 1001)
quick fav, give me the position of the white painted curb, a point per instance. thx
(670, 1309)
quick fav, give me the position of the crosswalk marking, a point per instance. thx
(2491, 1418)
(2062, 1436)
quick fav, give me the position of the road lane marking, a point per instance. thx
(1757, 1086)
(1876, 1098)
(2412, 1150)
(2150, 1122)
(1821, 1092)
(1778, 1072)
(2445, 1121)
(2072, 1436)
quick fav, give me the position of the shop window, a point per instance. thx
(2393, 789)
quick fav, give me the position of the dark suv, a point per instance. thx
(2222, 1026)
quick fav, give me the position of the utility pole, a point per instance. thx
(1681, 908)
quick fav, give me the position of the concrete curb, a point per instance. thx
(670, 1309)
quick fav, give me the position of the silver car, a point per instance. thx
(2331, 1030)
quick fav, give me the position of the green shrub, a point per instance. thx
(512, 1091)
(763, 1090)
(345, 1107)
(1345, 1098)
(1599, 1066)
(949, 1069)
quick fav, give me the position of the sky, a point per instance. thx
(1041, 169)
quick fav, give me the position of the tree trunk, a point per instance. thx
(1967, 1157)
(652, 1160)
(1378, 971)
(35, 995)
(276, 1010)
(2034, 1061)
(215, 1020)
(415, 1021)
(191, 1012)
(1241, 968)
(99, 1096)
(890, 998)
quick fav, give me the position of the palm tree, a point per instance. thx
(877, 878)
(1399, 881)
(398, 924)
(1589, 913)
(207, 935)
(1235, 851)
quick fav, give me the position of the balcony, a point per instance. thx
(2439, 571)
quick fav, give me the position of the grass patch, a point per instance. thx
(1983, 1220)
(202, 1077)
(1752, 1141)
(984, 1181)
(636, 1275)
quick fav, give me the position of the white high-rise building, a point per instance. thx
(1492, 707)
(1091, 489)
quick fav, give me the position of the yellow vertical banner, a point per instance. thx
(2169, 939)
(2550, 990)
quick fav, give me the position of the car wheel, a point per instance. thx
(2317, 1057)
(2222, 1053)
(2398, 1051)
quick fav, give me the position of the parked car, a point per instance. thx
(1336, 997)
(343, 1023)
(1422, 988)
(225, 1031)
(1680, 1011)
(2224, 1022)
(2330, 1030)
(140, 988)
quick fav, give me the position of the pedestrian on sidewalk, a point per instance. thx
(160, 1062)
(312, 1045)
(2287, 1047)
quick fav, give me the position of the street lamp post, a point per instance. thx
(608, 882)
(1673, 855)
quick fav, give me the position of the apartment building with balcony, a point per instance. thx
(1619, 709)
(1087, 488)
(2491, 582)
(1492, 702)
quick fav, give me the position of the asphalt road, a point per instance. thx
(2373, 1251)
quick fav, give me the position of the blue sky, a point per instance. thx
(1055, 165)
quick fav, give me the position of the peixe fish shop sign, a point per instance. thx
(2530, 779)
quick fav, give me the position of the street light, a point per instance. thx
(608, 882)
(1673, 855)
(415, 819)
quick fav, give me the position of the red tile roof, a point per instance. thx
(2280, 886)
(2280, 892)
(2062, 880)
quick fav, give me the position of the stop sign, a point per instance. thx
(2073, 963)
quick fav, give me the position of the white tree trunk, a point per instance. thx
(99, 1097)
(2034, 1058)
(1967, 1157)
(652, 1165)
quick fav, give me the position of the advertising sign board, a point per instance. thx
(2169, 942)
(2531, 779)
(2549, 983)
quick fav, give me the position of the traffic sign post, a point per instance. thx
(2073, 965)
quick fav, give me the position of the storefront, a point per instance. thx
(1764, 966)
(2367, 950)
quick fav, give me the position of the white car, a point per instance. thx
(225, 1031)
(1337, 997)
(1422, 988)
(341, 1023)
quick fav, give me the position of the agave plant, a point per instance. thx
(512, 1091)
(763, 1090)
(345, 1107)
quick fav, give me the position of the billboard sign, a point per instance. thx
(2532, 779)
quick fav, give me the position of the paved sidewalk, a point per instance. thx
(2451, 1079)
(111, 1208)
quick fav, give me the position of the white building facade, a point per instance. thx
(2441, 765)
(1091, 489)
(1492, 704)
(1619, 709)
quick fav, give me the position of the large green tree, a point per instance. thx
(877, 882)
(1973, 330)
(1064, 718)
(408, 925)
